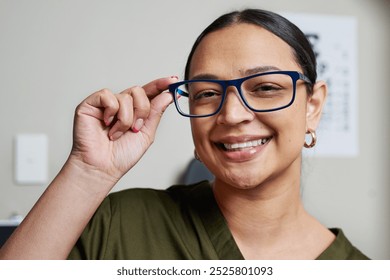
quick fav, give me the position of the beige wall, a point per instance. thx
(55, 53)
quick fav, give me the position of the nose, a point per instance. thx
(234, 111)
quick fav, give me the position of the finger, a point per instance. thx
(161, 101)
(135, 106)
(106, 100)
(155, 87)
(124, 116)
(141, 107)
(157, 108)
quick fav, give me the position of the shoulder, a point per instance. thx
(139, 203)
(174, 195)
(341, 249)
(137, 223)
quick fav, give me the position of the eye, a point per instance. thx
(205, 95)
(266, 90)
(267, 87)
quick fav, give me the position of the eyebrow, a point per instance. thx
(247, 72)
(261, 69)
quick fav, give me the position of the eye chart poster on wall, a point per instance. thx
(334, 40)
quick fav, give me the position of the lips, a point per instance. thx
(233, 144)
(247, 144)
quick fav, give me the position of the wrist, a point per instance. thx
(88, 178)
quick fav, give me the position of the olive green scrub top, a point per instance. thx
(182, 222)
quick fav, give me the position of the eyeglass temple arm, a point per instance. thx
(182, 93)
(304, 78)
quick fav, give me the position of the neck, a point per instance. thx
(266, 221)
(269, 206)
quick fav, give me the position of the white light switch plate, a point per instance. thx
(31, 159)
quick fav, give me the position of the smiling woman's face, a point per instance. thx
(276, 138)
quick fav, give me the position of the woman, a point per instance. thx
(252, 95)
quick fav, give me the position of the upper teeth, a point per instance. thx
(246, 144)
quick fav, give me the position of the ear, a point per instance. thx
(315, 104)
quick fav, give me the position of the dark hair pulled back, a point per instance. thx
(274, 23)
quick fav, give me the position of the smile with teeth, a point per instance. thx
(243, 145)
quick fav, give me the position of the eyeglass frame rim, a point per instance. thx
(294, 75)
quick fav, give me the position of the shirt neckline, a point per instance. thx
(215, 224)
(222, 240)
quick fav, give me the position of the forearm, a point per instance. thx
(111, 133)
(56, 221)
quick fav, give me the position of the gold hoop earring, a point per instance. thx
(313, 139)
(196, 155)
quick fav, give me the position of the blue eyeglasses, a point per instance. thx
(263, 92)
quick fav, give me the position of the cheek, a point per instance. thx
(294, 126)
(296, 113)
(289, 124)
(200, 129)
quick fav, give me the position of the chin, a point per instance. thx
(242, 181)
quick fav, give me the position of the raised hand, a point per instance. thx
(113, 131)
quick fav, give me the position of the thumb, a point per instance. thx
(158, 105)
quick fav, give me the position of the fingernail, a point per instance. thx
(109, 121)
(116, 135)
(138, 125)
(175, 77)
